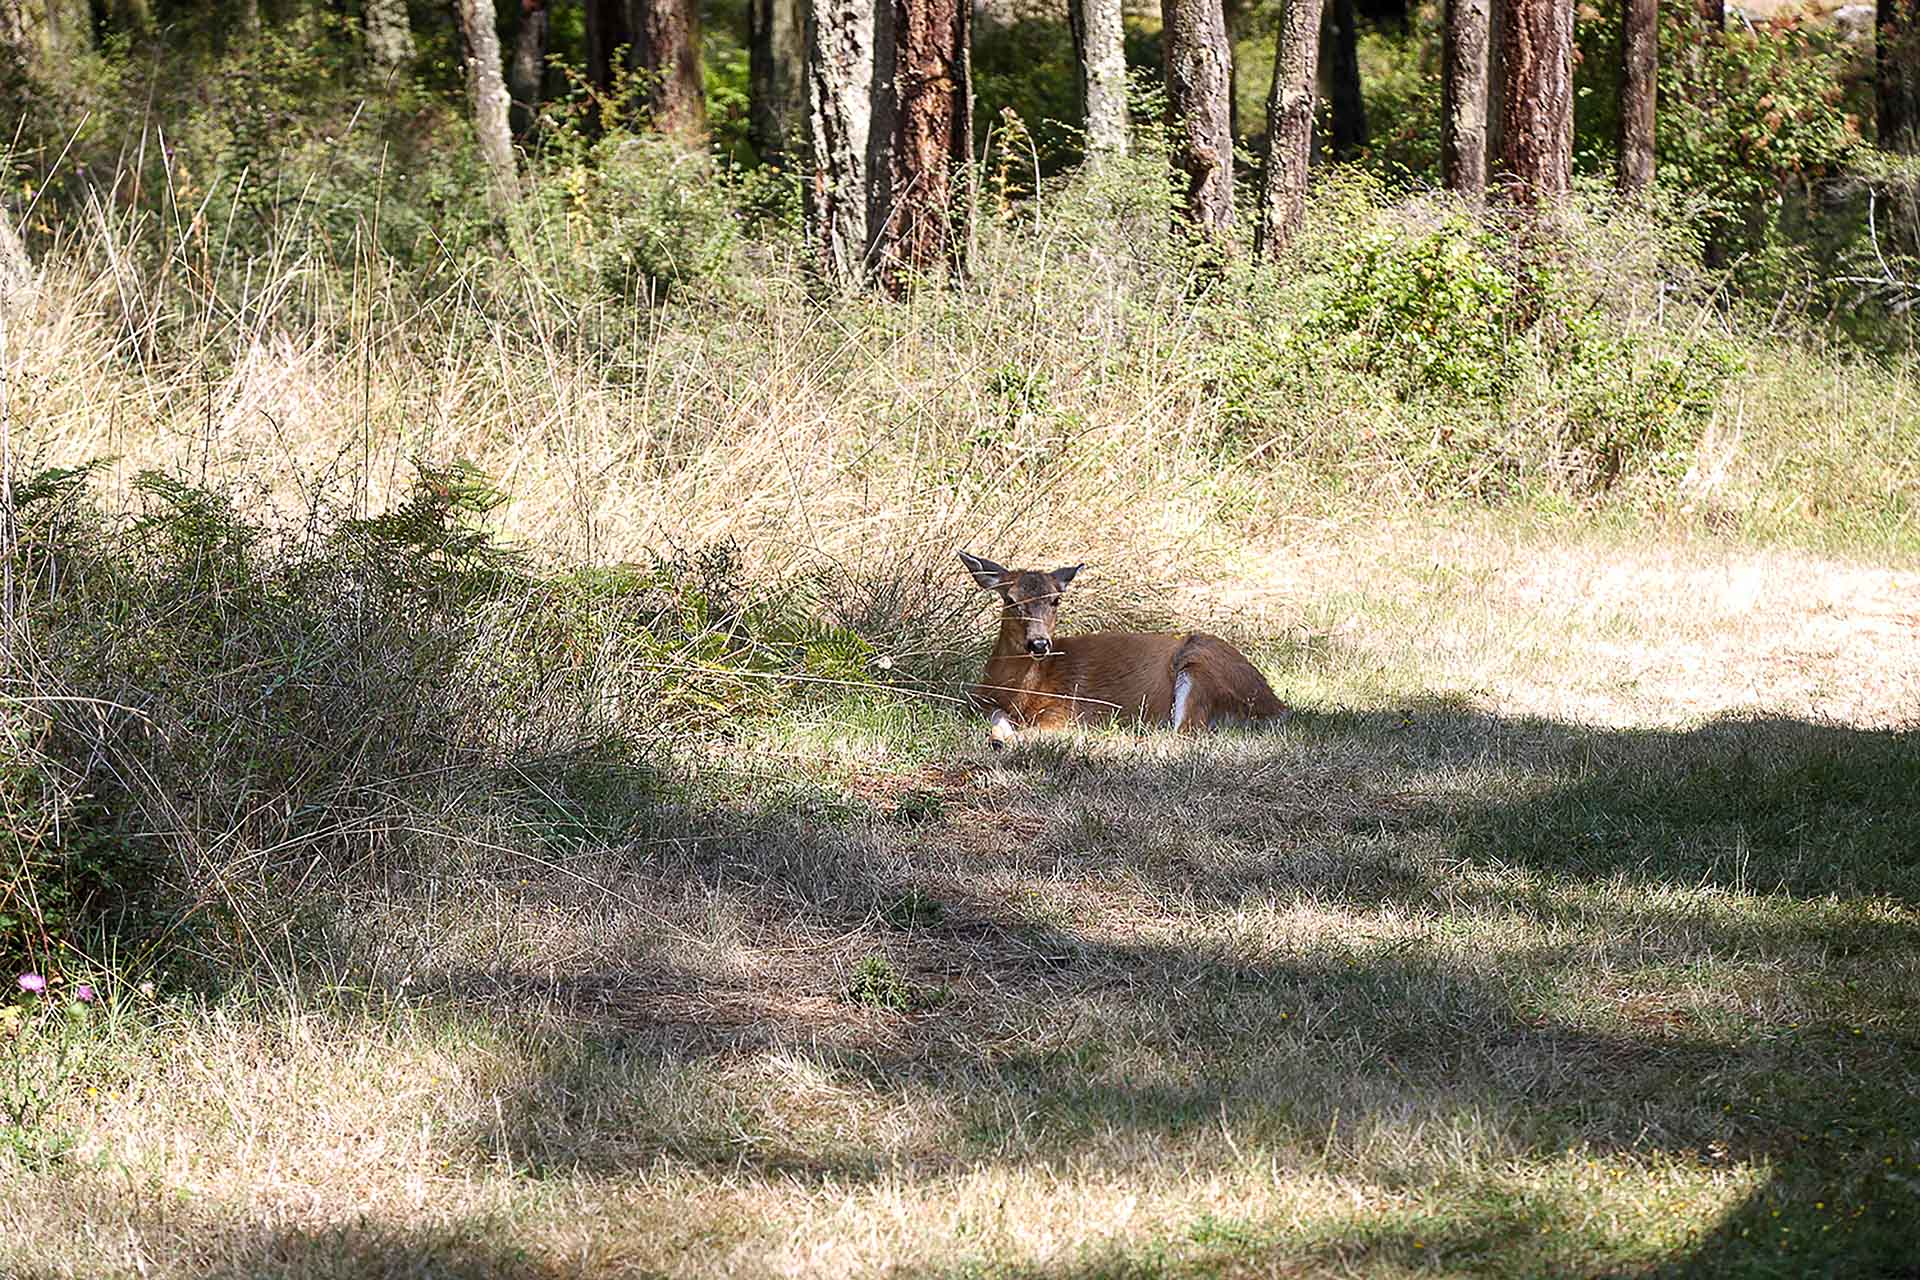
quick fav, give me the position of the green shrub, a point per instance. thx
(1432, 311)
(1512, 358)
(637, 215)
(877, 984)
(215, 701)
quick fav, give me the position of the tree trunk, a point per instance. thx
(1463, 98)
(608, 33)
(389, 37)
(922, 198)
(1536, 152)
(45, 35)
(1496, 84)
(1639, 88)
(16, 268)
(1099, 40)
(1339, 45)
(777, 75)
(526, 78)
(1283, 193)
(840, 68)
(1199, 89)
(487, 93)
(666, 46)
(1897, 74)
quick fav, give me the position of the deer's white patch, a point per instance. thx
(1000, 728)
(1182, 689)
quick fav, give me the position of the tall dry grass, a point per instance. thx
(1089, 392)
(1056, 403)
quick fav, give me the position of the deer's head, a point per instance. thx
(1029, 598)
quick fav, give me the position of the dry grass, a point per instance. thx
(850, 434)
(1404, 987)
(1588, 626)
(1570, 929)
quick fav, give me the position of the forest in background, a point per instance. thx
(1781, 139)
(481, 618)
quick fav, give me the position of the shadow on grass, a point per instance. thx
(365, 1250)
(1788, 847)
(1237, 949)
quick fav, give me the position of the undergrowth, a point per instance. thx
(207, 706)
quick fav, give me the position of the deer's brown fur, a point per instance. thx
(1032, 680)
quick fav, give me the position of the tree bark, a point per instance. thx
(1283, 193)
(1339, 45)
(922, 200)
(526, 76)
(609, 32)
(1463, 98)
(1536, 152)
(487, 93)
(16, 268)
(840, 70)
(46, 34)
(1496, 84)
(1199, 95)
(1897, 74)
(777, 75)
(666, 46)
(389, 37)
(1639, 90)
(1099, 40)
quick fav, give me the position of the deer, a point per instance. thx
(1037, 680)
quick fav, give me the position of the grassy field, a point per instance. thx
(1571, 926)
(1568, 929)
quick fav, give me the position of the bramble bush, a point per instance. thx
(212, 700)
(1430, 312)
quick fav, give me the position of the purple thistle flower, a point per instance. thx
(84, 993)
(32, 983)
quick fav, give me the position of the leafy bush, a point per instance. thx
(1433, 311)
(635, 214)
(1512, 356)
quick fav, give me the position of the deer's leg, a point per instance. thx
(1000, 730)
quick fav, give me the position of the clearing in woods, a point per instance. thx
(1572, 928)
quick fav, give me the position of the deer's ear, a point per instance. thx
(1061, 577)
(989, 575)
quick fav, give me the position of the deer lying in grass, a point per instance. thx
(1036, 681)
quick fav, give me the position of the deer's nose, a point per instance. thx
(1038, 647)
